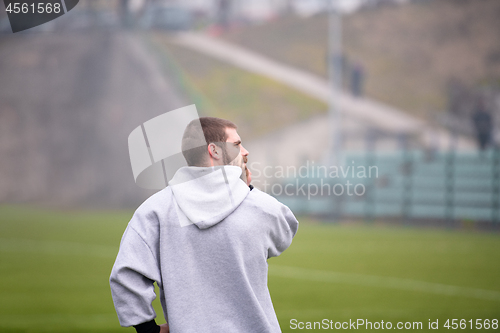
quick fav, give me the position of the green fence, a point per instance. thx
(407, 184)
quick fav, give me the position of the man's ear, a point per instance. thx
(214, 151)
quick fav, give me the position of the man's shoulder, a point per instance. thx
(158, 201)
(149, 212)
(260, 195)
(262, 207)
(263, 201)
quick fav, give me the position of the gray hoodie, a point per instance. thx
(205, 240)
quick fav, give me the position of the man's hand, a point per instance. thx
(248, 175)
(164, 328)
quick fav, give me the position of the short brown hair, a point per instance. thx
(214, 131)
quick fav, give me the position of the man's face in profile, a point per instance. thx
(235, 152)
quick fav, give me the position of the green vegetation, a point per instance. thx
(257, 104)
(410, 52)
(54, 270)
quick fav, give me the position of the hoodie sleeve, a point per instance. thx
(132, 277)
(283, 231)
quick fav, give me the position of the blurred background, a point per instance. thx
(376, 121)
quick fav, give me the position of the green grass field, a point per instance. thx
(54, 269)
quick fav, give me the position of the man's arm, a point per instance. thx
(152, 327)
(282, 231)
(132, 281)
(148, 327)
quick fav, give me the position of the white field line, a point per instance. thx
(57, 248)
(91, 250)
(382, 282)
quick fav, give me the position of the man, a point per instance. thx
(483, 124)
(205, 240)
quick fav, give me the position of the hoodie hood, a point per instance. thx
(205, 196)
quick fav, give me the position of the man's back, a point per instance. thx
(212, 274)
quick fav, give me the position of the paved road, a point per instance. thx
(67, 105)
(364, 110)
(308, 142)
(360, 113)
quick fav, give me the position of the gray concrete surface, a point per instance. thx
(68, 102)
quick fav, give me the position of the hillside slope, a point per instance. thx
(409, 52)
